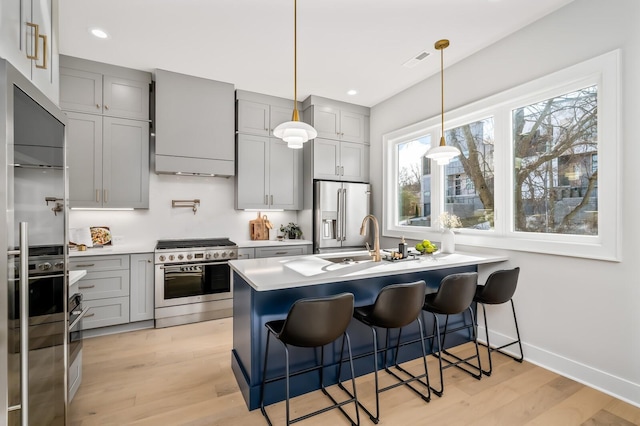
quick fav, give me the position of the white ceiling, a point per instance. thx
(342, 44)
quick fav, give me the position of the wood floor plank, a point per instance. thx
(182, 376)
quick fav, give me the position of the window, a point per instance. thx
(556, 184)
(532, 160)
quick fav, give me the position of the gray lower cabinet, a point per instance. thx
(117, 289)
(142, 291)
(269, 174)
(246, 253)
(105, 289)
(108, 161)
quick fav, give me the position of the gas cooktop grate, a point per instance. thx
(194, 243)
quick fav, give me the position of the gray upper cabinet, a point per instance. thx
(108, 161)
(194, 125)
(338, 124)
(269, 174)
(342, 161)
(257, 118)
(34, 54)
(107, 134)
(94, 93)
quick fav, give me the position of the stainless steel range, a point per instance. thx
(193, 280)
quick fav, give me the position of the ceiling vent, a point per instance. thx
(416, 59)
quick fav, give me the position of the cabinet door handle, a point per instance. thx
(97, 195)
(266, 199)
(86, 265)
(341, 170)
(106, 107)
(272, 200)
(86, 287)
(36, 36)
(44, 52)
(282, 252)
(89, 315)
(337, 170)
(105, 196)
(98, 106)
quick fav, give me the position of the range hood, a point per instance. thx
(194, 125)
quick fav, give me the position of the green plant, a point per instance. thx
(292, 230)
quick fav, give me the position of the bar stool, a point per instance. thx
(454, 296)
(313, 323)
(396, 306)
(498, 289)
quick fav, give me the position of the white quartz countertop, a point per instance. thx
(115, 249)
(276, 273)
(272, 243)
(75, 276)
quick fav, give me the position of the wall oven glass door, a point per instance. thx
(192, 282)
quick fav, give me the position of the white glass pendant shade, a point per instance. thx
(442, 155)
(295, 133)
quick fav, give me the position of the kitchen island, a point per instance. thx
(265, 289)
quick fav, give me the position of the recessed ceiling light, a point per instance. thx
(352, 92)
(97, 32)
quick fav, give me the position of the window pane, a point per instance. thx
(556, 165)
(414, 183)
(469, 177)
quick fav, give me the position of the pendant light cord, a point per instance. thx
(442, 141)
(296, 116)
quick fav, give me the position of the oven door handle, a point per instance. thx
(224, 262)
(77, 320)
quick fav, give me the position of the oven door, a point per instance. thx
(76, 313)
(184, 283)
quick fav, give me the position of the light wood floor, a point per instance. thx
(182, 376)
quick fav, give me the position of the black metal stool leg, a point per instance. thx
(264, 377)
(286, 355)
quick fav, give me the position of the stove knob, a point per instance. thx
(171, 257)
(224, 254)
(189, 256)
(59, 265)
(216, 255)
(233, 255)
(44, 266)
(207, 256)
(162, 258)
(180, 257)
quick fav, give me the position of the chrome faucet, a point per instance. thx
(375, 253)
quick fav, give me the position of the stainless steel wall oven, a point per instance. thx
(193, 280)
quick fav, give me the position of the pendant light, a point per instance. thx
(295, 132)
(442, 153)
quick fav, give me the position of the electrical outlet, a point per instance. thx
(118, 239)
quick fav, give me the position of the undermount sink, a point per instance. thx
(346, 260)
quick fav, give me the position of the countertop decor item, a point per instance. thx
(295, 132)
(447, 222)
(291, 231)
(442, 153)
(259, 227)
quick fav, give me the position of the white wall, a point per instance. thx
(216, 216)
(578, 317)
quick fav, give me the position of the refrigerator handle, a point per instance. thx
(344, 214)
(339, 218)
(24, 325)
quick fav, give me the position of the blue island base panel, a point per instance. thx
(252, 309)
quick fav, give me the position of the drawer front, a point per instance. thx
(280, 251)
(99, 263)
(102, 285)
(246, 253)
(105, 312)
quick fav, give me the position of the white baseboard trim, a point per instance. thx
(602, 381)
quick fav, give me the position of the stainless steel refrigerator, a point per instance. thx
(33, 293)
(339, 208)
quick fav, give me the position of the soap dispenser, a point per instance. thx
(402, 248)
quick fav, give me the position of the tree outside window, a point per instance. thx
(556, 164)
(469, 177)
(414, 183)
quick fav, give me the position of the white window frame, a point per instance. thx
(602, 71)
